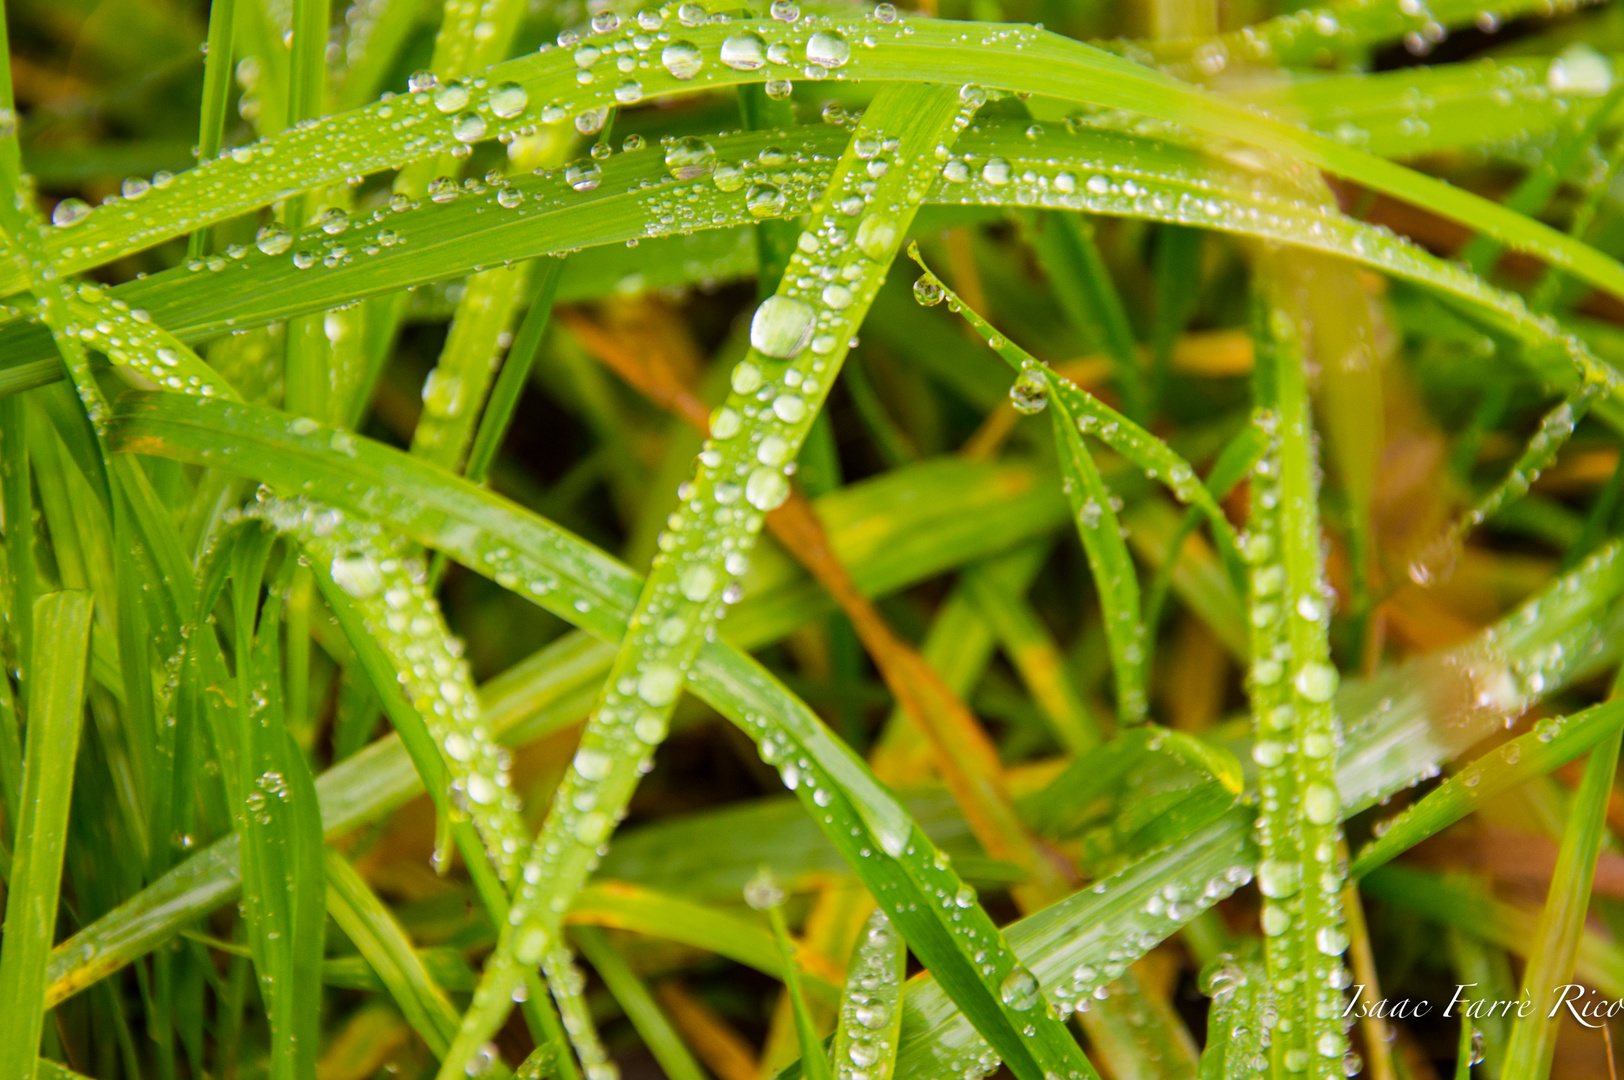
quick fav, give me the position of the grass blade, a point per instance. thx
(1555, 945)
(870, 1025)
(639, 1005)
(683, 595)
(56, 712)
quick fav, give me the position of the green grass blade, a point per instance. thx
(1555, 946)
(870, 1025)
(216, 97)
(754, 436)
(568, 988)
(56, 712)
(369, 923)
(1239, 989)
(1291, 685)
(764, 894)
(1554, 742)
(486, 534)
(662, 1040)
(510, 382)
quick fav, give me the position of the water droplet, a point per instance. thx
(766, 489)
(451, 97)
(790, 408)
(682, 59)
(827, 49)
(357, 574)
(1279, 878)
(764, 200)
(468, 127)
(629, 92)
(420, 81)
(690, 158)
(996, 172)
(1321, 804)
(1030, 394)
(1019, 990)
(508, 100)
(928, 291)
(744, 52)
(659, 685)
(876, 238)
(273, 240)
(583, 175)
(69, 212)
(836, 296)
(697, 582)
(1316, 682)
(763, 892)
(781, 327)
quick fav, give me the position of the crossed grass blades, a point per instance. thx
(374, 486)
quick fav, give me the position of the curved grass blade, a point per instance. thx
(1151, 455)
(1552, 743)
(372, 926)
(1291, 684)
(639, 1005)
(1130, 177)
(870, 1026)
(56, 711)
(1555, 945)
(764, 894)
(568, 987)
(377, 592)
(870, 829)
(758, 431)
(1236, 1047)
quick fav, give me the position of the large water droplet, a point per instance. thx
(876, 237)
(1030, 394)
(659, 685)
(744, 52)
(781, 327)
(928, 291)
(69, 212)
(1019, 990)
(583, 175)
(468, 127)
(357, 574)
(827, 49)
(451, 97)
(682, 59)
(690, 158)
(766, 489)
(508, 100)
(764, 200)
(273, 240)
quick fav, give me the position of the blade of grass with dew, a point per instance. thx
(869, 1028)
(1149, 454)
(1577, 598)
(371, 583)
(1291, 685)
(1069, 255)
(1555, 946)
(56, 711)
(764, 894)
(1239, 988)
(369, 923)
(1552, 743)
(568, 988)
(744, 458)
(278, 820)
(652, 1025)
(216, 97)
(593, 591)
(1057, 186)
(1028, 61)
(1236, 460)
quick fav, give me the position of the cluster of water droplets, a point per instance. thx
(871, 1007)
(130, 338)
(1300, 871)
(568, 986)
(389, 590)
